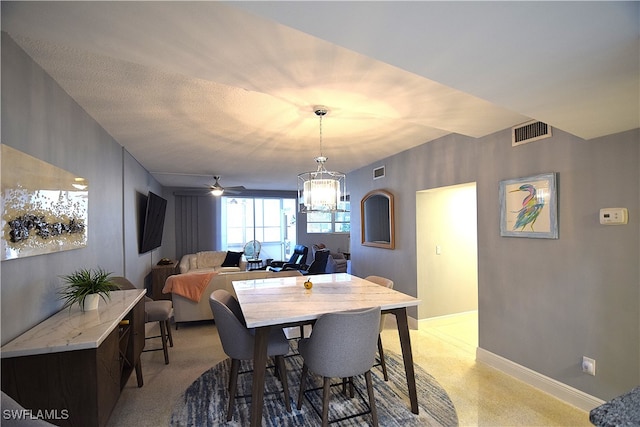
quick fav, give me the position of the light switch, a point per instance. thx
(438, 250)
(613, 216)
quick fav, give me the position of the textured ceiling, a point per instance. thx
(195, 89)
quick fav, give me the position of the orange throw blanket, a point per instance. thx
(188, 285)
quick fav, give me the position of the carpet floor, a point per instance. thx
(205, 401)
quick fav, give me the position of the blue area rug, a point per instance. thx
(204, 403)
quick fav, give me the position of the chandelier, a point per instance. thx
(321, 190)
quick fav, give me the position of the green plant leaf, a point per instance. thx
(83, 282)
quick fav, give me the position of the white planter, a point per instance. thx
(91, 302)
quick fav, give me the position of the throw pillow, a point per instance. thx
(232, 259)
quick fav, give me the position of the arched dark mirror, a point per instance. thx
(377, 219)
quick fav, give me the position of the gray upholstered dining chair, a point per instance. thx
(382, 281)
(341, 345)
(160, 311)
(238, 340)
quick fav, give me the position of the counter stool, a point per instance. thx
(160, 311)
(388, 283)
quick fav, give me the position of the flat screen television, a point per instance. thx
(154, 209)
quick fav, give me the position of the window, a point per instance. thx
(329, 222)
(271, 221)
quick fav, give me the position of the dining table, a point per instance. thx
(286, 302)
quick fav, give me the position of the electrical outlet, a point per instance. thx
(588, 366)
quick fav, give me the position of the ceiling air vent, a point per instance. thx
(378, 172)
(529, 132)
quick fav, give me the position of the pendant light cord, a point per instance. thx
(321, 114)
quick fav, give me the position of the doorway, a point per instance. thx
(447, 259)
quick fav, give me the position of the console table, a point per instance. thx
(76, 363)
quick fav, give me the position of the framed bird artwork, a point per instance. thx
(528, 207)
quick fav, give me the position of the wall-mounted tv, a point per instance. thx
(154, 208)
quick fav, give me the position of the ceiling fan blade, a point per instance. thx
(234, 190)
(210, 186)
(225, 190)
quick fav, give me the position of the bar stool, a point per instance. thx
(155, 311)
(388, 283)
(161, 312)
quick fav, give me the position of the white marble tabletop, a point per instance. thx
(283, 300)
(74, 329)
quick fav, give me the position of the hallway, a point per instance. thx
(460, 330)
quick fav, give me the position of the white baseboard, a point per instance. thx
(447, 318)
(553, 387)
(413, 323)
(390, 322)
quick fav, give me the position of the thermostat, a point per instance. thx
(613, 216)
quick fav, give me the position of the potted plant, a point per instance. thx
(85, 287)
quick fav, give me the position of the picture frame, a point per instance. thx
(44, 208)
(528, 207)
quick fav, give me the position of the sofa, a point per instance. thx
(187, 310)
(213, 261)
(337, 263)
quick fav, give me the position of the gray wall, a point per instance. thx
(542, 303)
(137, 183)
(40, 119)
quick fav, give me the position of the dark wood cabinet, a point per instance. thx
(78, 387)
(131, 342)
(159, 274)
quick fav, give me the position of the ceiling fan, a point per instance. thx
(217, 189)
